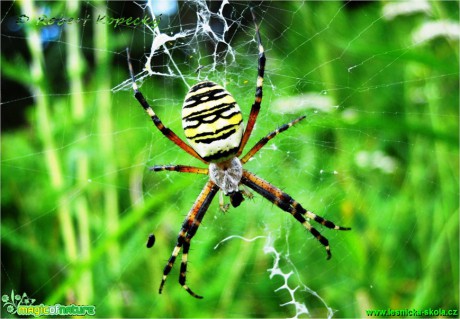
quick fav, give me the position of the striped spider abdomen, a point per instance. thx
(212, 122)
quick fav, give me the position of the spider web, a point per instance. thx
(217, 61)
(371, 109)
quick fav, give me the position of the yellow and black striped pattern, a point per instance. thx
(212, 121)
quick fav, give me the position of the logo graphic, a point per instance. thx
(14, 301)
(23, 305)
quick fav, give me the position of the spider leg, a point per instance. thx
(188, 230)
(258, 96)
(156, 120)
(288, 204)
(208, 193)
(267, 138)
(180, 169)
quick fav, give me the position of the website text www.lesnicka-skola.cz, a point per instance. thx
(429, 312)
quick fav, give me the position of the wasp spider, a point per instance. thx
(213, 126)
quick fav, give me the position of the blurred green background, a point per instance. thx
(378, 152)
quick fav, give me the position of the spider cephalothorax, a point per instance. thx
(213, 126)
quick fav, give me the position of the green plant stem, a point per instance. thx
(45, 132)
(240, 262)
(321, 53)
(107, 150)
(75, 67)
(448, 188)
